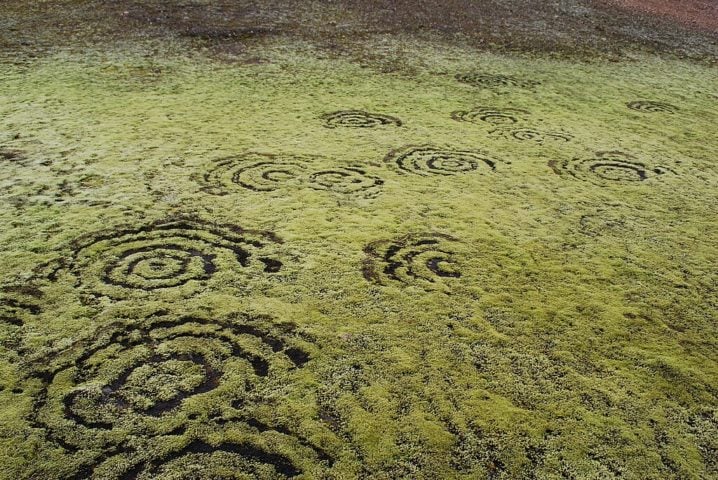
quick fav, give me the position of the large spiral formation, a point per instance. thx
(488, 80)
(136, 387)
(169, 255)
(253, 171)
(611, 167)
(358, 119)
(648, 106)
(430, 160)
(422, 260)
(490, 115)
(533, 135)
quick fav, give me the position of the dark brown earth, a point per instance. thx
(567, 28)
(702, 14)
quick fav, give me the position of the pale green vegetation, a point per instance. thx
(532, 308)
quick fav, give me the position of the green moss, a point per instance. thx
(569, 333)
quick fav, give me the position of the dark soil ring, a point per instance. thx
(647, 106)
(491, 115)
(168, 254)
(611, 168)
(136, 377)
(253, 171)
(420, 260)
(358, 119)
(163, 265)
(487, 80)
(430, 160)
(346, 181)
(532, 135)
(203, 461)
(265, 173)
(18, 304)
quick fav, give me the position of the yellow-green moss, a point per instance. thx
(578, 342)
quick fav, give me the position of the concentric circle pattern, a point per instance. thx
(346, 181)
(253, 171)
(167, 255)
(647, 106)
(487, 80)
(533, 135)
(430, 160)
(612, 167)
(490, 115)
(358, 119)
(147, 378)
(270, 173)
(423, 260)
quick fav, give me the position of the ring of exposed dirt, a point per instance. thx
(141, 375)
(612, 167)
(165, 255)
(421, 260)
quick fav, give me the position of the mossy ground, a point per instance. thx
(575, 337)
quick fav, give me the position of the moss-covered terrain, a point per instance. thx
(300, 265)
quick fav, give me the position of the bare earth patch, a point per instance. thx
(702, 14)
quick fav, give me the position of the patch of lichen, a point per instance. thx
(578, 341)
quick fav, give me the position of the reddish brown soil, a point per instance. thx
(570, 28)
(701, 14)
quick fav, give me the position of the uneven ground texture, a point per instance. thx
(358, 240)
